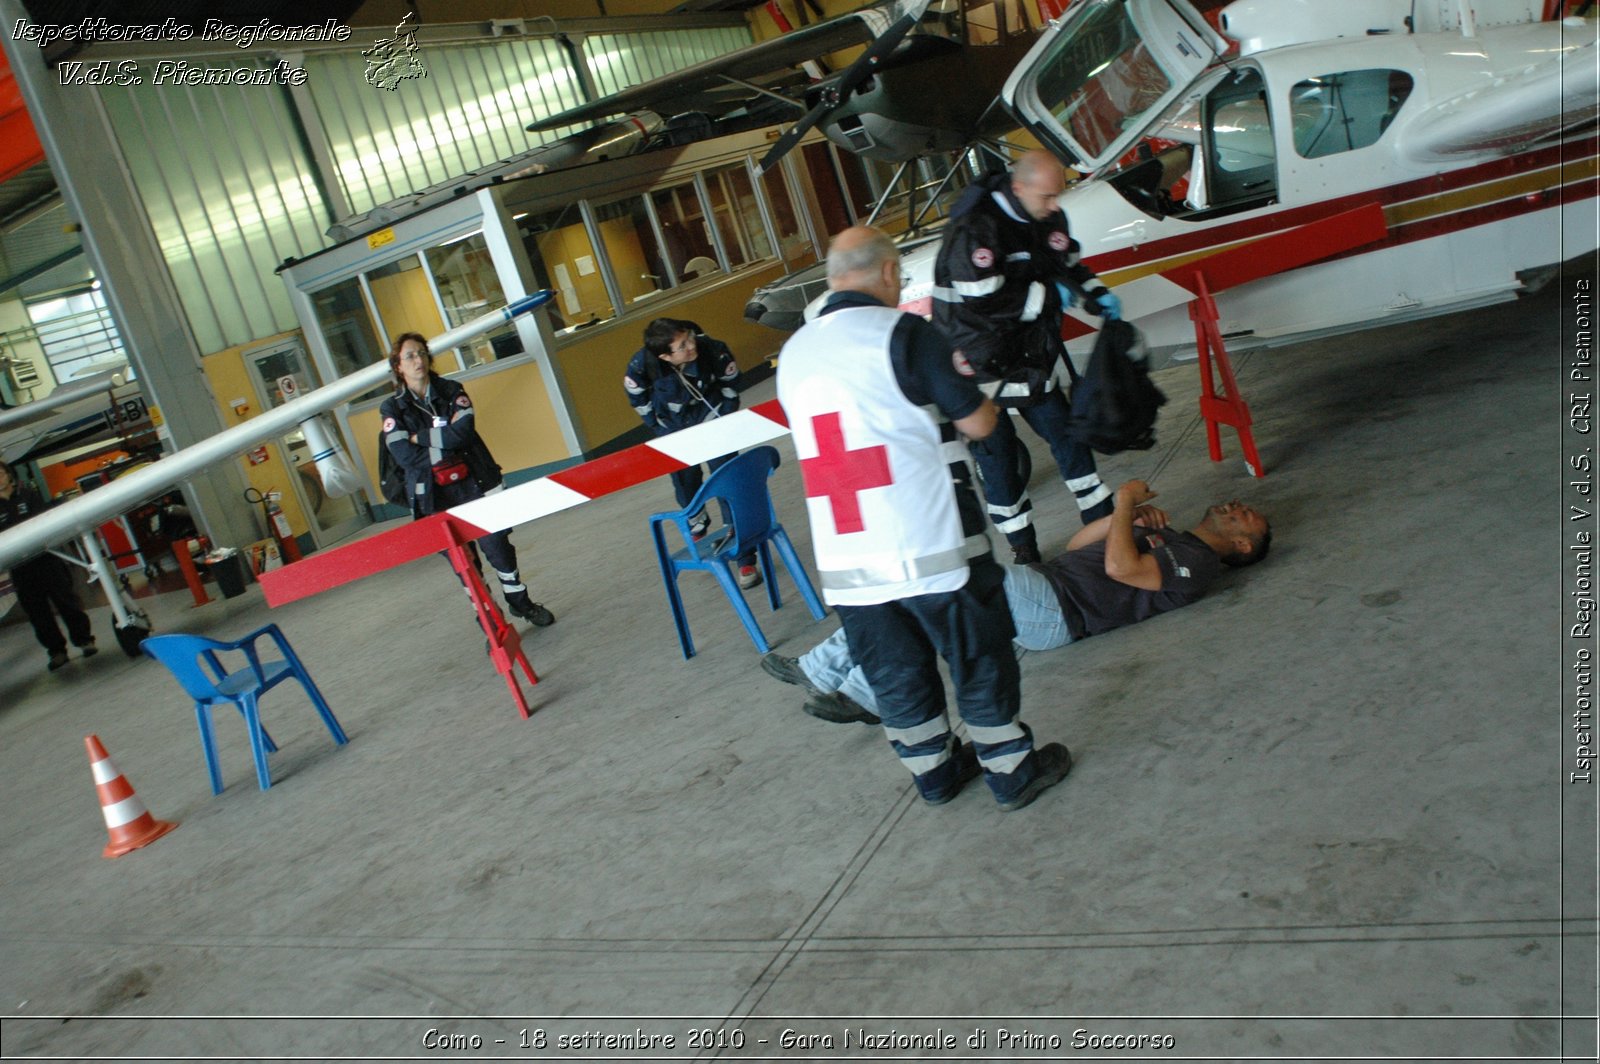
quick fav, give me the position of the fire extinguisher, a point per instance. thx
(277, 522)
(275, 518)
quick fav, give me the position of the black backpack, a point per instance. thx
(391, 478)
(1114, 403)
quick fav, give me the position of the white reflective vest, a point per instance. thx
(884, 521)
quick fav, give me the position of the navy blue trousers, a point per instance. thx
(898, 644)
(1004, 491)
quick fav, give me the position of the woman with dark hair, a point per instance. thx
(44, 583)
(429, 429)
(679, 378)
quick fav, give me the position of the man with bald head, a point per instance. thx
(1007, 270)
(878, 406)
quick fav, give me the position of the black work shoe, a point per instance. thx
(89, 649)
(58, 659)
(835, 708)
(1053, 762)
(1025, 554)
(789, 671)
(533, 612)
(967, 770)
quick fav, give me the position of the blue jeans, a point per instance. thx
(1035, 612)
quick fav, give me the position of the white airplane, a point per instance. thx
(1469, 123)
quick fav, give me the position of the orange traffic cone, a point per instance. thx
(128, 822)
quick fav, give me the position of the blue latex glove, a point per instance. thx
(1069, 298)
(1110, 306)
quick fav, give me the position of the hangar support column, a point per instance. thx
(98, 192)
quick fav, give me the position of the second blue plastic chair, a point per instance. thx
(183, 654)
(741, 484)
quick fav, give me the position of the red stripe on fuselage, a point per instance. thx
(1249, 228)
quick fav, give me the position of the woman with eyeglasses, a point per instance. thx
(428, 427)
(679, 378)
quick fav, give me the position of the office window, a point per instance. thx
(77, 334)
(738, 215)
(794, 242)
(563, 258)
(468, 288)
(632, 249)
(683, 230)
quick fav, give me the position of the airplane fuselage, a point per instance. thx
(1460, 228)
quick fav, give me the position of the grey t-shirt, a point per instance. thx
(1095, 603)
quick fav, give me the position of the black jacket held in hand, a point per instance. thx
(1114, 403)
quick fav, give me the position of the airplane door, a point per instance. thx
(1099, 80)
(279, 372)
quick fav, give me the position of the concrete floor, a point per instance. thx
(1321, 813)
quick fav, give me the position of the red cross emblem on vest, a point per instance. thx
(840, 475)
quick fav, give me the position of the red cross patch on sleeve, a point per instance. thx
(982, 258)
(388, 424)
(1058, 240)
(963, 367)
(462, 400)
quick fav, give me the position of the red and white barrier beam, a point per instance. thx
(527, 502)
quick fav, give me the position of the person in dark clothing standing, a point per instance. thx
(1007, 270)
(681, 377)
(44, 583)
(429, 428)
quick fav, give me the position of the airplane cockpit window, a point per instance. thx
(1103, 80)
(1241, 163)
(1342, 112)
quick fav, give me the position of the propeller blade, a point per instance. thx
(784, 144)
(864, 67)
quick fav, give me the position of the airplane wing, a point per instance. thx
(559, 491)
(713, 86)
(1506, 114)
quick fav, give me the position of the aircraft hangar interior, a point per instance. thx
(1343, 806)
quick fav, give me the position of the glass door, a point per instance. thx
(279, 372)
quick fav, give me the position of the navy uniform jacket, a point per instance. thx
(995, 279)
(670, 398)
(445, 431)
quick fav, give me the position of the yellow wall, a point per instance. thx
(230, 380)
(594, 365)
(564, 247)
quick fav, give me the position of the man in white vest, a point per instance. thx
(878, 402)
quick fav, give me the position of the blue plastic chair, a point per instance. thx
(183, 654)
(741, 485)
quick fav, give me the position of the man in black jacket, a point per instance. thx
(43, 583)
(1007, 270)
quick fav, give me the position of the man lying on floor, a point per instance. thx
(1118, 570)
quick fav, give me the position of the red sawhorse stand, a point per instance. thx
(505, 642)
(1228, 408)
